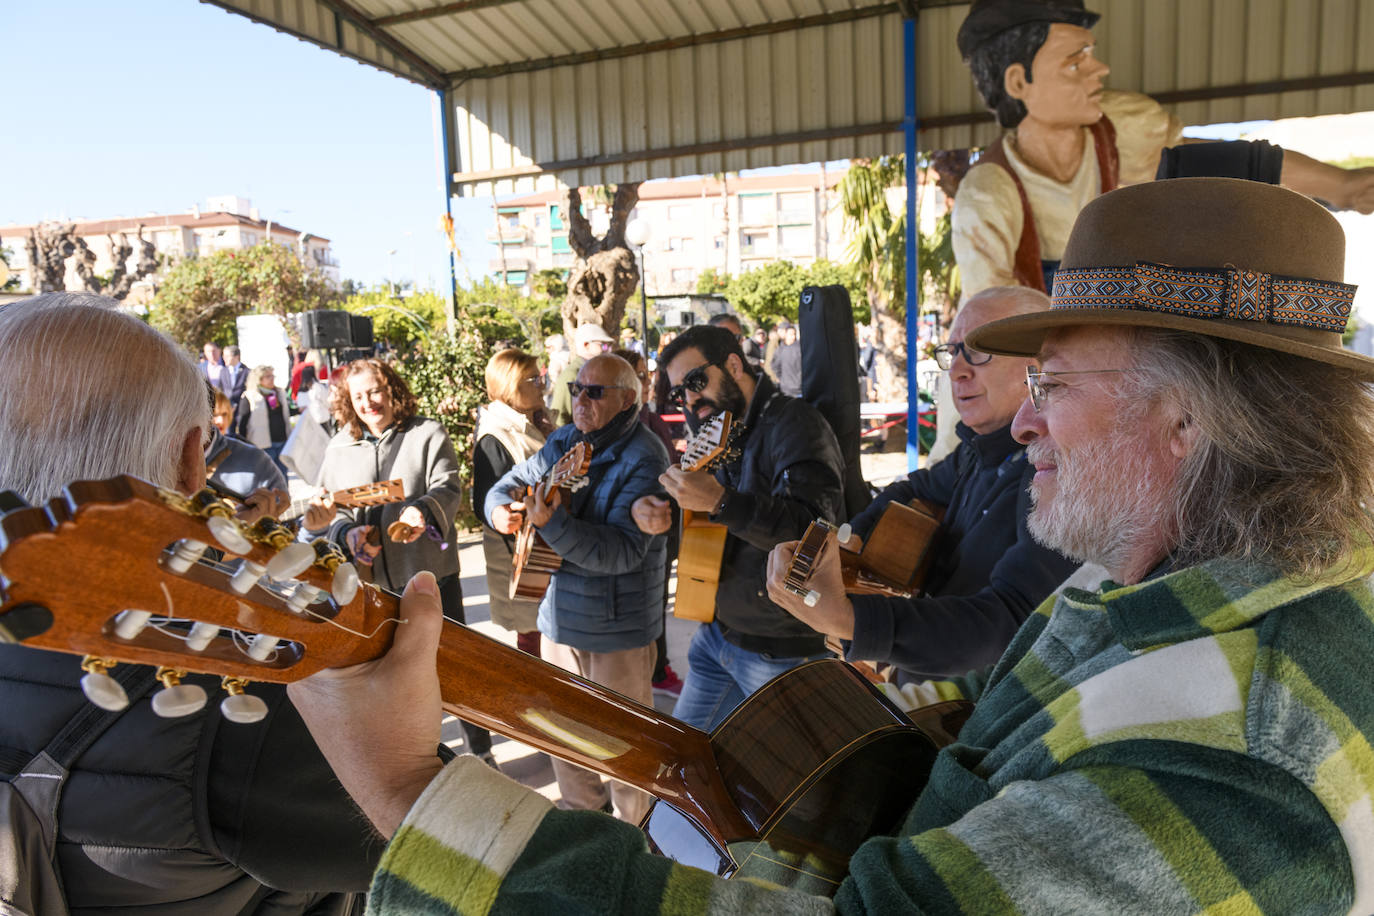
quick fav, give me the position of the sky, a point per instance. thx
(128, 108)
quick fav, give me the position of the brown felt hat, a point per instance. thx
(1218, 256)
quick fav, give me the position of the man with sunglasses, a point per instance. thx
(787, 473)
(589, 340)
(987, 572)
(604, 608)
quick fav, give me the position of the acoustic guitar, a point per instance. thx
(795, 779)
(534, 561)
(366, 494)
(703, 541)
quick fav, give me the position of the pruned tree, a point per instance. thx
(51, 244)
(605, 275)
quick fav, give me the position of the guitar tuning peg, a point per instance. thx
(176, 699)
(229, 533)
(261, 647)
(201, 635)
(811, 598)
(240, 707)
(247, 576)
(843, 532)
(293, 560)
(301, 596)
(129, 624)
(267, 530)
(101, 689)
(344, 585)
(185, 554)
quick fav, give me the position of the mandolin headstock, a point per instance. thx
(710, 444)
(120, 571)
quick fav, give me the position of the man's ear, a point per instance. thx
(1183, 437)
(1014, 81)
(734, 367)
(191, 466)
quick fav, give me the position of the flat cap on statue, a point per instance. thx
(987, 18)
(1223, 257)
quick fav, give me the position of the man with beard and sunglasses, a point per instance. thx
(787, 473)
(604, 608)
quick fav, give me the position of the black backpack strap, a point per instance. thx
(90, 721)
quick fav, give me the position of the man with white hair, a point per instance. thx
(190, 815)
(604, 608)
(987, 574)
(1191, 737)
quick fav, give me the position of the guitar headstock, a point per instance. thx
(572, 467)
(117, 570)
(709, 444)
(371, 494)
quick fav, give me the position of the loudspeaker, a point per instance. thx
(361, 331)
(325, 329)
(830, 378)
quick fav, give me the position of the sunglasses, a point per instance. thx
(694, 381)
(594, 392)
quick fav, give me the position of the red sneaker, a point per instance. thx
(670, 684)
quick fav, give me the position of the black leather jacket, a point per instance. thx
(196, 815)
(987, 576)
(789, 472)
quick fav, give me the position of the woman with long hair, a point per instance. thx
(511, 428)
(382, 437)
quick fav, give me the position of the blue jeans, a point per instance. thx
(720, 675)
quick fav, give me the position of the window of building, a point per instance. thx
(555, 218)
(250, 239)
(683, 244)
(756, 209)
(516, 277)
(797, 240)
(795, 207)
(539, 221)
(560, 244)
(756, 245)
(719, 242)
(679, 213)
(562, 260)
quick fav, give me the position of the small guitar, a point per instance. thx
(703, 541)
(367, 494)
(798, 776)
(893, 561)
(535, 562)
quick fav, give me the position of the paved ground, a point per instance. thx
(517, 760)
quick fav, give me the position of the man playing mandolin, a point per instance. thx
(1192, 736)
(604, 607)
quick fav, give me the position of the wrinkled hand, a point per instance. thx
(359, 545)
(652, 514)
(694, 490)
(833, 614)
(319, 513)
(414, 521)
(378, 723)
(540, 504)
(507, 519)
(261, 503)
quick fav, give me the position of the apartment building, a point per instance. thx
(225, 222)
(732, 224)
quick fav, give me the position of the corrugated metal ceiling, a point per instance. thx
(600, 91)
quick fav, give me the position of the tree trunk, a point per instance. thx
(889, 344)
(605, 275)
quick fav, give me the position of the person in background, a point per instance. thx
(263, 417)
(588, 340)
(511, 428)
(663, 340)
(237, 467)
(212, 367)
(787, 361)
(382, 437)
(556, 356)
(235, 374)
(306, 372)
(630, 341)
(867, 363)
(665, 680)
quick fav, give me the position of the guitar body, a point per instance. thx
(816, 767)
(898, 551)
(532, 566)
(698, 567)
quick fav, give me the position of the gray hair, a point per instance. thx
(624, 374)
(87, 392)
(1284, 460)
(1019, 300)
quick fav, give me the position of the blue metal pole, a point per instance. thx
(913, 306)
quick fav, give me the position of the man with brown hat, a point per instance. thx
(1192, 737)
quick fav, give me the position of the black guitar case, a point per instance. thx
(830, 378)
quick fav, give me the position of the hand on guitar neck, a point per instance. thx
(832, 613)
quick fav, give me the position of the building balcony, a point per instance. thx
(497, 265)
(509, 235)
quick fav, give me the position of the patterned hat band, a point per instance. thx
(1203, 292)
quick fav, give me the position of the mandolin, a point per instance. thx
(703, 541)
(796, 778)
(367, 494)
(534, 562)
(893, 561)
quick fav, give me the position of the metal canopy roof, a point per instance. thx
(541, 92)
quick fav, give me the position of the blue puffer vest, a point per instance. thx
(608, 594)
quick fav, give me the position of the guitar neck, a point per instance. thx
(522, 697)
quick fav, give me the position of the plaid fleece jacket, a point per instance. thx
(1198, 743)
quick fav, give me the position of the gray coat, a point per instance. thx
(420, 453)
(608, 594)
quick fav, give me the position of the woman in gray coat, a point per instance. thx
(381, 438)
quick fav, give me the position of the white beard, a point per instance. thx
(1109, 501)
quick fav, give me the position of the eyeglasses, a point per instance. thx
(945, 353)
(694, 381)
(1040, 384)
(535, 380)
(595, 392)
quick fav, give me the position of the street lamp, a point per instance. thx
(637, 234)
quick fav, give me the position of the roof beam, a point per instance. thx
(672, 152)
(670, 44)
(444, 9)
(432, 74)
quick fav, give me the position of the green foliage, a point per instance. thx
(878, 236)
(772, 292)
(550, 283)
(938, 274)
(200, 297)
(501, 312)
(448, 376)
(400, 322)
(13, 281)
(1354, 162)
(712, 282)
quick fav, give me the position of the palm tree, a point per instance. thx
(877, 248)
